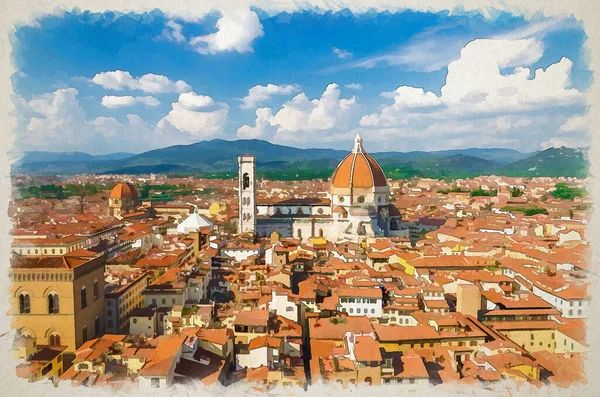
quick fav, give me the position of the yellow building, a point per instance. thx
(47, 363)
(58, 300)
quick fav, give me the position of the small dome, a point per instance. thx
(358, 170)
(124, 190)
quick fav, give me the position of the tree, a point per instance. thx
(516, 192)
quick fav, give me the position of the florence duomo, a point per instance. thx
(356, 205)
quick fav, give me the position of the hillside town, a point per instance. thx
(155, 280)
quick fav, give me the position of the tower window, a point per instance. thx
(52, 303)
(246, 181)
(24, 303)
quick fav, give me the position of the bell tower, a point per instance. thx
(247, 195)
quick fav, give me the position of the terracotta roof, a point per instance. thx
(124, 190)
(358, 170)
(366, 349)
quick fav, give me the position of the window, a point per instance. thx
(95, 289)
(299, 233)
(320, 211)
(155, 382)
(532, 336)
(351, 310)
(579, 312)
(372, 311)
(299, 211)
(134, 320)
(361, 199)
(570, 312)
(341, 199)
(357, 311)
(320, 232)
(24, 303)
(83, 298)
(289, 309)
(54, 340)
(97, 326)
(84, 334)
(52, 303)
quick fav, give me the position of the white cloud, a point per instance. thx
(475, 85)
(198, 115)
(354, 86)
(236, 30)
(404, 98)
(260, 93)
(112, 101)
(153, 83)
(261, 125)
(55, 121)
(173, 32)
(575, 124)
(326, 114)
(342, 54)
(302, 114)
(572, 142)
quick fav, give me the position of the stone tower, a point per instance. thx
(247, 195)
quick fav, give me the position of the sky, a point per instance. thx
(113, 82)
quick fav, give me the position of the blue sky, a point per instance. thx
(110, 82)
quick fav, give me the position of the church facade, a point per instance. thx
(356, 206)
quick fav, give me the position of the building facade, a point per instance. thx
(356, 206)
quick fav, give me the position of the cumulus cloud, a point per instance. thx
(261, 93)
(198, 115)
(112, 101)
(153, 83)
(354, 86)
(236, 30)
(575, 124)
(56, 121)
(475, 85)
(300, 114)
(342, 54)
(261, 125)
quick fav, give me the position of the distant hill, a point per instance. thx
(561, 161)
(218, 158)
(46, 157)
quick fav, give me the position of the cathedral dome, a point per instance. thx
(358, 170)
(124, 190)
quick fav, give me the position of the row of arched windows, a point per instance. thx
(52, 301)
(25, 303)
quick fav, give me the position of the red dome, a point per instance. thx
(358, 170)
(124, 190)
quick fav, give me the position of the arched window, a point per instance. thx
(299, 211)
(278, 211)
(54, 339)
(84, 334)
(97, 326)
(53, 303)
(95, 289)
(116, 201)
(299, 233)
(24, 303)
(320, 232)
(83, 298)
(245, 181)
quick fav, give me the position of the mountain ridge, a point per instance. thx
(219, 156)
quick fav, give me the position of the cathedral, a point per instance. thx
(356, 206)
